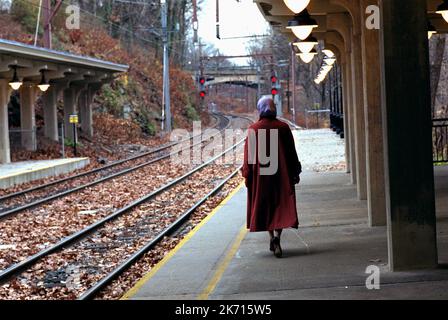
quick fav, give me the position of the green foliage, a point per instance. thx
(151, 129)
(25, 11)
(191, 113)
(145, 119)
(71, 143)
(114, 99)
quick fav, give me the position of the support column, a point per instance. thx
(347, 129)
(5, 153)
(69, 109)
(50, 113)
(409, 172)
(28, 117)
(351, 119)
(358, 107)
(376, 198)
(85, 111)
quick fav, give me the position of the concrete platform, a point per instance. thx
(325, 259)
(21, 172)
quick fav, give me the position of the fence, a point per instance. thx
(20, 139)
(317, 118)
(440, 140)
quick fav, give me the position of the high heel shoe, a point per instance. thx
(271, 245)
(277, 248)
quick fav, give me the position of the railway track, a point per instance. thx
(14, 203)
(172, 203)
(65, 214)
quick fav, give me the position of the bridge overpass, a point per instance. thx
(236, 76)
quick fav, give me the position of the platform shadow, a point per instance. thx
(298, 252)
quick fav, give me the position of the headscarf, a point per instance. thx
(266, 107)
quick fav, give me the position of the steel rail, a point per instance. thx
(176, 225)
(33, 204)
(16, 268)
(113, 164)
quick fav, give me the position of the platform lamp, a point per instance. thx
(328, 53)
(302, 25)
(15, 83)
(326, 68)
(330, 61)
(443, 10)
(306, 45)
(307, 57)
(431, 30)
(43, 85)
(296, 6)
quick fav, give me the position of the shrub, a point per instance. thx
(113, 100)
(191, 113)
(151, 129)
(25, 11)
(71, 143)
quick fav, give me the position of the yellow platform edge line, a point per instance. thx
(133, 291)
(46, 167)
(222, 267)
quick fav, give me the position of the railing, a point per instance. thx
(20, 139)
(337, 123)
(440, 140)
(317, 118)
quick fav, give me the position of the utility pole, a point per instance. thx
(293, 78)
(48, 16)
(288, 94)
(195, 21)
(217, 20)
(166, 105)
(201, 70)
(46, 6)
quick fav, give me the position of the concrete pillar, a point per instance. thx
(376, 197)
(85, 111)
(50, 99)
(5, 153)
(358, 115)
(69, 109)
(351, 119)
(345, 106)
(28, 116)
(409, 173)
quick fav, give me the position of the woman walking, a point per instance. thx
(271, 203)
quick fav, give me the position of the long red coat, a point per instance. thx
(271, 202)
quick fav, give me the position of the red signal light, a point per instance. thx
(274, 91)
(202, 94)
(274, 79)
(202, 80)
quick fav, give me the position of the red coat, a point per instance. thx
(271, 201)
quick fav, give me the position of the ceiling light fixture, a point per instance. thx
(302, 25)
(15, 83)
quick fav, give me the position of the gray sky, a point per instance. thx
(237, 19)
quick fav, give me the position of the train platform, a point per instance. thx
(26, 171)
(326, 258)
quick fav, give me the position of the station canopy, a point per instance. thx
(57, 66)
(277, 14)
